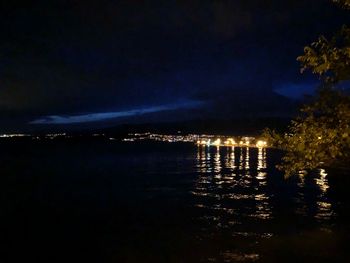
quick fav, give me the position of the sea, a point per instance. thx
(111, 201)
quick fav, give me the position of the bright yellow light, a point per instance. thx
(261, 144)
(241, 142)
(217, 142)
(230, 141)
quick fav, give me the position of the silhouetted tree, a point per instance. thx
(320, 136)
(343, 3)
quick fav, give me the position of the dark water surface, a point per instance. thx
(145, 202)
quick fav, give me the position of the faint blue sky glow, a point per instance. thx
(296, 91)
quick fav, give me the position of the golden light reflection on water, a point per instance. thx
(237, 195)
(247, 155)
(322, 181)
(241, 159)
(261, 158)
(230, 158)
(325, 210)
(217, 160)
(261, 176)
(232, 187)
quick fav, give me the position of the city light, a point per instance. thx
(13, 135)
(230, 142)
(217, 142)
(261, 144)
(204, 140)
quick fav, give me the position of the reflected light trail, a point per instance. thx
(231, 159)
(247, 156)
(231, 189)
(322, 181)
(261, 158)
(234, 193)
(217, 160)
(325, 211)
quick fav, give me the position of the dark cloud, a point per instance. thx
(79, 57)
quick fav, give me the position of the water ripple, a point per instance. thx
(234, 191)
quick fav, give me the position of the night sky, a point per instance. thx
(70, 63)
